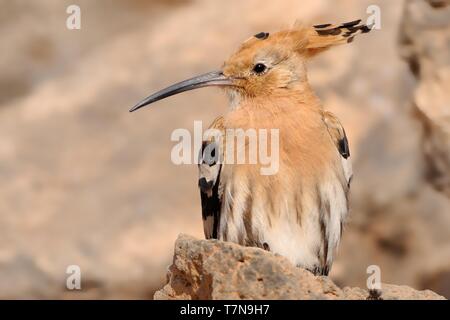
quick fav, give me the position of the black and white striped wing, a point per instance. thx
(334, 196)
(209, 183)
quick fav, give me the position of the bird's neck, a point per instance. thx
(279, 100)
(278, 110)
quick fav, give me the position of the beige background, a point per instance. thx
(84, 182)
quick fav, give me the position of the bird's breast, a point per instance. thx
(282, 211)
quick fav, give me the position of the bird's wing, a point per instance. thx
(339, 138)
(334, 207)
(209, 180)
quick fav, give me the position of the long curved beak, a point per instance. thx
(215, 78)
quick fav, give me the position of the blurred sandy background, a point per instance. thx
(84, 182)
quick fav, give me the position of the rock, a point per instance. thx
(212, 269)
(425, 45)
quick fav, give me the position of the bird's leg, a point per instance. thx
(317, 270)
(374, 294)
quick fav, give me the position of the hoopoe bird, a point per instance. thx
(298, 212)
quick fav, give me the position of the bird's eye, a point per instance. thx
(259, 68)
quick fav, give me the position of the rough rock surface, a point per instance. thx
(425, 45)
(211, 269)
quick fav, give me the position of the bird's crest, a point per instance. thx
(324, 36)
(310, 40)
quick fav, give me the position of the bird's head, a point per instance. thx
(268, 64)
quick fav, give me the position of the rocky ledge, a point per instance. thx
(211, 269)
